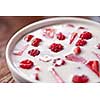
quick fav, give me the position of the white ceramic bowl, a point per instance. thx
(19, 77)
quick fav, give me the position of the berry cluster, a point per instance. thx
(83, 37)
(80, 79)
(56, 47)
(60, 36)
(26, 64)
(28, 37)
(36, 42)
(34, 52)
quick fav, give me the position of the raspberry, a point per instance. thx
(77, 50)
(28, 38)
(34, 52)
(60, 36)
(81, 42)
(58, 62)
(56, 47)
(26, 64)
(86, 35)
(36, 42)
(80, 79)
(94, 66)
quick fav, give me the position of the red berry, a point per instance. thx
(80, 79)
(94, 66)
(81, 42)
(56, 47)
(60, 36)
(26, 64)
(28, 38)
(34, 52)
(86, 35)
(77, 50)
(36, 42)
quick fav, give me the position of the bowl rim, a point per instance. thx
(38, 23)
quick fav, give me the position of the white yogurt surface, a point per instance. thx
(67, 71)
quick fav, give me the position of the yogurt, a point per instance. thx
(49, 49)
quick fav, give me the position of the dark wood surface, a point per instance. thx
(8, 27)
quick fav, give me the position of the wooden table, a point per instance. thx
(8, 26)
